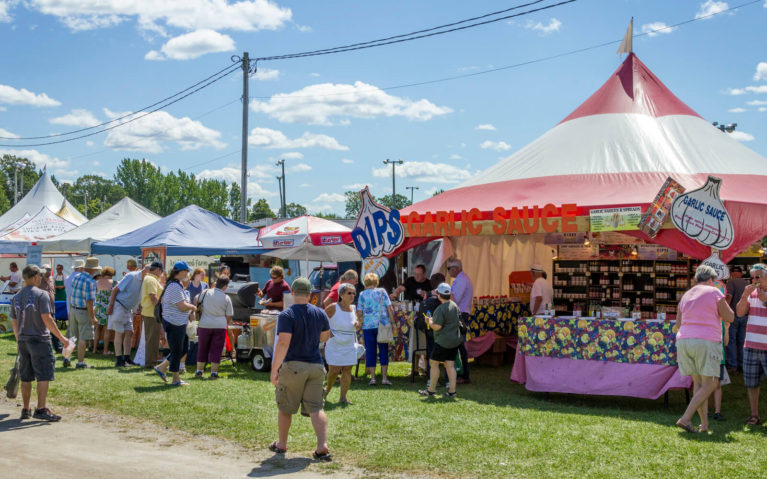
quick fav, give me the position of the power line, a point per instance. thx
(131, 120)
(397, 39)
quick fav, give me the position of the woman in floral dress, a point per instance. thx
(104, 285)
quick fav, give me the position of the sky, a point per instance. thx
(71, 64)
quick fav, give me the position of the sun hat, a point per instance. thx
(181, 266)
(79, 263)
(443, 289)
(536, 267)
(92, 263)
(301, 286)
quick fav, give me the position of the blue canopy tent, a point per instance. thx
(189, 231)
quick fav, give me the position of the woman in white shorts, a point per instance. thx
(699, 342)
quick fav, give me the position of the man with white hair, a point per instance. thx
(462, 291)
(542, 292)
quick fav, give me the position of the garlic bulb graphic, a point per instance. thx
(700, 214)
(378, 230)
(722, 271)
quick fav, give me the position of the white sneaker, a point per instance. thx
(428, 383)
(447, 384)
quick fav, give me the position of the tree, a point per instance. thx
(396, 203)
(5, 203)
(352, 204)
(260, 210)
(328, 216)
(438, 192)
(142, 181)
(27, 171)
(294, 209)
(102, 193)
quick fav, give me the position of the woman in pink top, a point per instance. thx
(699, 342)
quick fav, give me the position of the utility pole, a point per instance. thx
(279, 187)
(284, 201)
(85, 198)
(244, 166)
(393, 183)
(16, 188)
(411, 188)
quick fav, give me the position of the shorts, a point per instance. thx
(36, 360)
(80, 324)
(120, 320)
(699, 357)
(300, 384)
(754, 365)
(441, 354)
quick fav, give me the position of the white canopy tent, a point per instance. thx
(43, 194)
(123, 217)
(45, 224)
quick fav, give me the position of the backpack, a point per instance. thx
(158, 306)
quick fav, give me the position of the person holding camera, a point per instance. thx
(447, 337)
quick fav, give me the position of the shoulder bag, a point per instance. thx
(198, 313)
(385, 333)
(158, 306)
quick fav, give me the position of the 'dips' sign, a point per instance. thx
(378, 230)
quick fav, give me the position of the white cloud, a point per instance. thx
(761, 68)
(232, 175)
(245, 15)
(454, 157)
(748, 89)
(57, 166)
(347, 161)
(741, 136)
(495, 145)
(315, 75)
(193, 45)
(89, 143)
(96, 163)
(355, 186)
(150, 132)
(304, 185)
(292, 155)
(304, 28)
(330, 198)
(711, 7)
(485, 126)
(268, 138)
(425, 171)
(301, 167)
(736, 110)
(5, 17)
(267, 74)
(553, 26)
(13, 96)
(756, 102)
(76, 118)
(318, 104)
(7, 134)
(763, 108)
(656, 28)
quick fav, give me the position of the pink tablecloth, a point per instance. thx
(603, 378)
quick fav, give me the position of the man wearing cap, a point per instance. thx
(151, 289)
(82, 316)
(463, 292)
(297, 368)
(734, 352)
(123, 303)
(542, 292)
(32, 325)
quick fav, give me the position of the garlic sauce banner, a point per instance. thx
(701, 215)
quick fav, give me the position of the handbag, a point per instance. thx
(385, 332)
(12, 386)
(158, 306)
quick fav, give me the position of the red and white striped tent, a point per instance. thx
(617, 149)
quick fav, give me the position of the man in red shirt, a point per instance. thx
(350, 276)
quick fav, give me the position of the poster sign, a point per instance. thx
(653, 219)
(614, 237)
(653, 252)
(378, 230)
(564, 238)
(615, 219)
(35, 255)
(722, 271)
(578, 252)
(701, 215)
(616, 251)
(150, 255)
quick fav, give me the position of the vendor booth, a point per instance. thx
(619, 203)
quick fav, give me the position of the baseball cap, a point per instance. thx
(157, 265)
(536, 267)
(301, 286)
(454, 262)
(181, 266)
(443, 289)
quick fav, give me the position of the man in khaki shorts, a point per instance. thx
(297, 368)
(82, 316)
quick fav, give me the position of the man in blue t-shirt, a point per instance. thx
(297, 368)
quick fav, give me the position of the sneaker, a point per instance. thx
(67, 362)
(213, 376)
(129, 361)
(26, 413)
(82, 366)
(718, 416)
(198, 374)
(120, 363)
(45, 414)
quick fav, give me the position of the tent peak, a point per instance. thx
(632, 88)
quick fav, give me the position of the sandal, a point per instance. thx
(162, 375)
(322, 456)
(426, 392)
(372, 382)
(753, 421)
(276, 449)
(687, 427)
(180, 383)
(385, 382)
(345, 402)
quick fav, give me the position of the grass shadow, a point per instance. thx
(155, 388)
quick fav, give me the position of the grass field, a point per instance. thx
(493, 429)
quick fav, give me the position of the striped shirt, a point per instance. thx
(756, 329)
(83, 290)
(174, 294)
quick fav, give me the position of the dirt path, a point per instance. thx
(81, 446)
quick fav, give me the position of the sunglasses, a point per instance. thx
(350, 293)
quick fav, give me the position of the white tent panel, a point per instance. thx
(44, 193)
(45, 224)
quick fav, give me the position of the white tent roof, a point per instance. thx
(123, 217)
(45, 224)
(43, 194)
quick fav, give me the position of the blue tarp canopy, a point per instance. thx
(188, 231)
